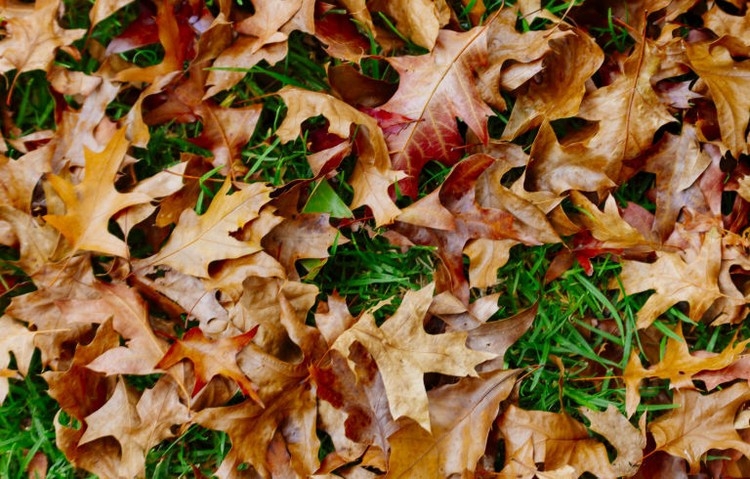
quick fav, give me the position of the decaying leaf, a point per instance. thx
(675, 278)
(211, 358)
(92, 203)
(404, 352)
(700, 423)
(212, 235)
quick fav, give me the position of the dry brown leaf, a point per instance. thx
(138, 424)
(555, 440)
(196, 241)
(16, 339)
(557, 91)
(674, 278)
(90, 204)
(701, 423)
(418, 20)
(434, 90)
(373, 175)
(404, 352)
(628, 441)
(211, 358)
(728, 80)
(129, 314)
(287, 423)
(32, 36)
(461, 416)
(678, 365)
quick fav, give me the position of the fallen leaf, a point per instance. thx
(728, 82)
(211, 358)
(138, 424)
(93, 202)
(434, 90)
(404, 352)
(31, 39)
(373, 175)
(674, 278)
(288, 422)
(17, 339)
(678, 365)
(701, 423)
(461, 416)
(628, 441)
(554, 440)
(210, 235)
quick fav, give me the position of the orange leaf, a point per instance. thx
(90, 204)
(212, 358)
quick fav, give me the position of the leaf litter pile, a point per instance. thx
(402, 238)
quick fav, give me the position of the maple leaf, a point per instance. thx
(434, 90)
(674, 278)
(196, 241)
(701, 423)
(403, 352)
(728, 80)
(288, 424)
(372, 175)
(31, 39)
(555, 440)
(461, 415)
(211, 358)
(90, 204)
(678, 365)
(138, 424)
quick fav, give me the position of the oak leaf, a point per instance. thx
(80, 392)
(93, 202)
(461, 415)
(557, 91)
(19, 340)
(674, 278)
(138, 424)
(31, 39)
(628, 441)
(728, 80)
(130, 318)
(434, 90)
(262, 36)
(196, 241)
(211, 358)
(678, 365)
(674, 178)
(701, 423)
(288, 424)
(404, 351)
(372, 175)
(628, 110)
(418, 20)
(555, 440)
